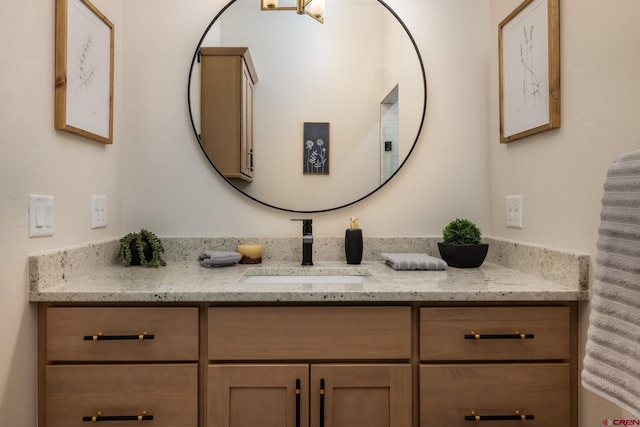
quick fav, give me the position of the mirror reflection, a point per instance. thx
(359, 72)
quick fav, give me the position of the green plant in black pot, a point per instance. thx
(461, 232)
(143, 248)
(462, 245)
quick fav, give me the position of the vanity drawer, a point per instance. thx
(168, 393)
(449, 393)
(171, 334)
(309, 333)
(449, 333)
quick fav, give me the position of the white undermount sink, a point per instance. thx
(306, 275)
(315, 279)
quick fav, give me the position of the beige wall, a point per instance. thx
(560, 173)
(156, 176)
(37, 159)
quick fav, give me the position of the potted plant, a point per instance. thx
(143, 248)
(462, 245)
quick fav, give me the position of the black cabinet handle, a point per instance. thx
(322, 402)
(99, 417)
(514, 336)
(298, 402)
(517, 416)
(101, 337)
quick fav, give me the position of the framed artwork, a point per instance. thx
(84, 71)
(529, 70)
(316, 149)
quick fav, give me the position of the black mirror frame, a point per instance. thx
(424, 109)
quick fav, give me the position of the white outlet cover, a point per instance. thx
(98, 211)
(40, 215)
(514, 211)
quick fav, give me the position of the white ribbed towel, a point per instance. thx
(413, 261)
(612, 359)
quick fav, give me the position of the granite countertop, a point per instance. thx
(512, 272)
(187, 281)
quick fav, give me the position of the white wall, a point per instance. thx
(37, 159)
(560, 173)
(156, 176)
(175, 191)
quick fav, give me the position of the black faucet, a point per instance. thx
(307, 241)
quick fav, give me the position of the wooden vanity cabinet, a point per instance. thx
(276, 395)
(119, 364)
(345, 366)
(234, 365)
(226, 109)
(498, 365)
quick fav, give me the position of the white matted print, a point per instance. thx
(529, 70)
(84, 70)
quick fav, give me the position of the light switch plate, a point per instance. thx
(98, 211)
(514, 211)
(40, 215)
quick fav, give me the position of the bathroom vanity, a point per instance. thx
(189, 346)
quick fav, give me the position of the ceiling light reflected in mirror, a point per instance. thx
(312, 8)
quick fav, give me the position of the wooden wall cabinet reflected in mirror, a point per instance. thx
(226, 104)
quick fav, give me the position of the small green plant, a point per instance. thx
(461, 232)
(143, 243)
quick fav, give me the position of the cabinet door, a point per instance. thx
(246, 146)
(361, 395)
(226, 110)
(258, 395)
(221, 111)
(453, 395)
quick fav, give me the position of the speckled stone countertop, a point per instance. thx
(91, 273)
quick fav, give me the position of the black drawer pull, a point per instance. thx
(99, 417)
(517, 416)
(514, 336)
(101, 337)
(322, 390)
(298, 391)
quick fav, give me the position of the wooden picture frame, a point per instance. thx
(84, 71)
(529, 70)
(316, 149)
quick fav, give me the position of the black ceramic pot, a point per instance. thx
(146, 249)
(463, 256)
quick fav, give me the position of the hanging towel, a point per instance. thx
(611, 367)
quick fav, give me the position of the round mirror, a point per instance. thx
(337, 107)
